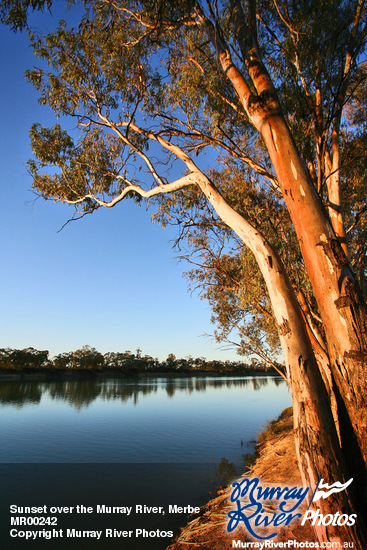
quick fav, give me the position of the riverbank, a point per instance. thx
(276, 463)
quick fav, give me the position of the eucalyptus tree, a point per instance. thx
(275, 87)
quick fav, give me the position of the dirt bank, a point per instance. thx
(276, 464)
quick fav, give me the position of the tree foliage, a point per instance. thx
(28, 358)
(127, 62)
(15, 13)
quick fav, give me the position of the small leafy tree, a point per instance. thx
(86, 358)
(62, 360)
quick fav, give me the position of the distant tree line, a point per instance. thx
(88, 358)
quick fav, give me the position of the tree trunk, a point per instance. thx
(340, 304)
(341, 307)
(316, 437)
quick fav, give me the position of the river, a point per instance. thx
(152, 441)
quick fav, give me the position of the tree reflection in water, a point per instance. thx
(81, 393)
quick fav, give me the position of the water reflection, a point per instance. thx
(81, 393)
(20, 393)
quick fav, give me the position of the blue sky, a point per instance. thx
(109, 280)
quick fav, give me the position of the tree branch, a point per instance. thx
(132, 188)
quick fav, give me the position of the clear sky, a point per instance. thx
(109, 280)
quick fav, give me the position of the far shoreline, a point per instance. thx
(45, 374)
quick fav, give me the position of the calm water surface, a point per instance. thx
(140, 420)
(121, 442)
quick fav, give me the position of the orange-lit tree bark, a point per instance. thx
(338, 296)
(321, 239)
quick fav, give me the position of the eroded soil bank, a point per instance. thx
(276, 463)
